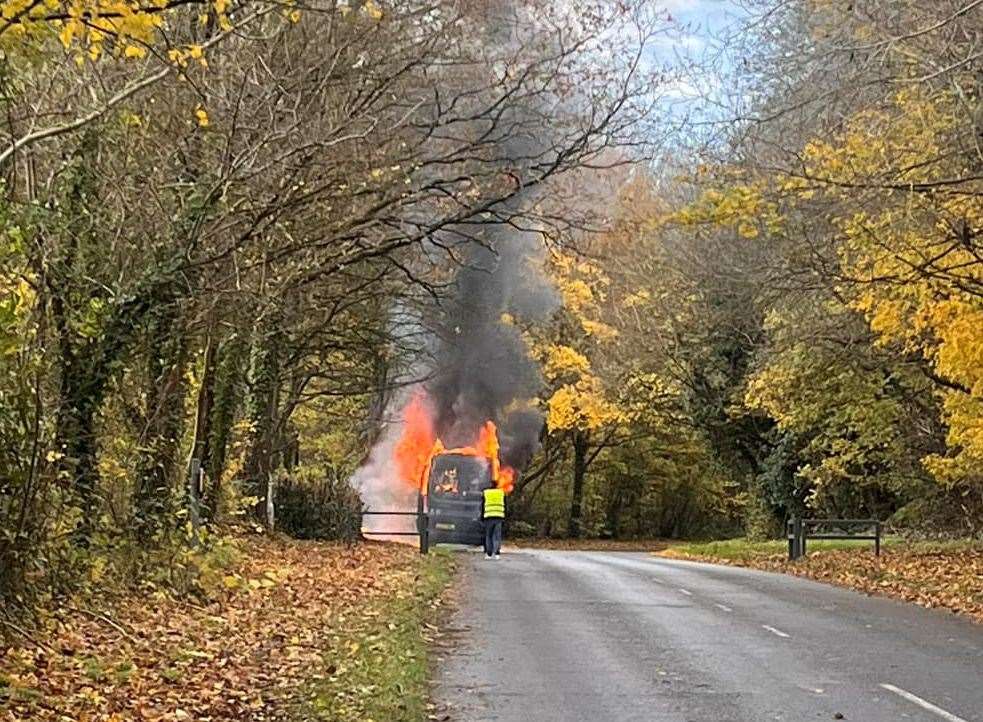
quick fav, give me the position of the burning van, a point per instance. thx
(447, 484)
(451, 486)
(451, 498)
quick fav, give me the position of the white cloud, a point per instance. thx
(681, 42)
(681, 6)
(679, 90)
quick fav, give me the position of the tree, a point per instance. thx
(851, 173)
(212, 212)
(580, 405)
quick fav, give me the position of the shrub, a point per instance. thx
(316, 506)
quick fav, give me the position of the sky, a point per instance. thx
(695, 25)
(701, 14)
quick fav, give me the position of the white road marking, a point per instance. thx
(779, 632)
(724, 607)
(924, 704)
(683, 591)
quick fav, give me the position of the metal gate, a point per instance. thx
(422, 527)
(799, 530)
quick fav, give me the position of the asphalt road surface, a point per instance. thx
(549, 636)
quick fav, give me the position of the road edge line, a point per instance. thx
(923, 703)
(782, 634)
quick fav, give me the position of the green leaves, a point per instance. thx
(91, 321)
(10, 333)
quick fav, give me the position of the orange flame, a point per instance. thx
(418, 446)
(506, 479)
(487, 446)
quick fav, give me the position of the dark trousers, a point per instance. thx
(493, 536)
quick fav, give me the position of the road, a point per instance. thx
(551, 636)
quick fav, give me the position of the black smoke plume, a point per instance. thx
(482, 366)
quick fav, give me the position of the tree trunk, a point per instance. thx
(166, 365)
(264, 403)
(85, 368)
(84, 371)
(581, 442)
(75, 438)
(228, 387)
(201, 441)
(616, 504)
(375, 419)
(80, 395)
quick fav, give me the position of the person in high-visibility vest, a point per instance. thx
(493, 514)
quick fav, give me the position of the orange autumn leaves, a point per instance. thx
(935, 577)
(243, 654)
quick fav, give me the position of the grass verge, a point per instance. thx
(376, 667)
(947, 575)
(742, 550)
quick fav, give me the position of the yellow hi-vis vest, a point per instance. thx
(494, 503)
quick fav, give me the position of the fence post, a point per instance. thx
(423, 522)
(877, 539)
(796, 546)
(270, 503)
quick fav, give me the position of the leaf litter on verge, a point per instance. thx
(242, 654)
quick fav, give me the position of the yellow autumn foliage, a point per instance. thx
(580, 399)
(125, 27)
(577, 294)
(562, 360)
(914, 267)
(582, 405)
(598, 330)
(907, 216)
(741, 206)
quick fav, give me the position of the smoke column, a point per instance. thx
(476, 365)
